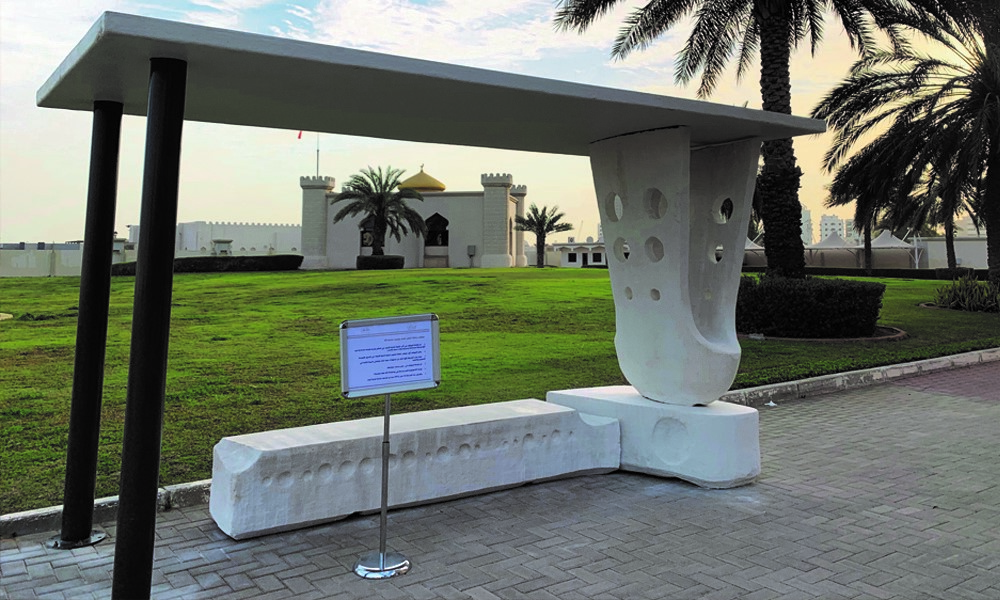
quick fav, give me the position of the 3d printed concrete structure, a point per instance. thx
(675, 166)
(290, 478)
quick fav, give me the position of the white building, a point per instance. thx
(831, 224)
(465, 229)
(850, 233)
(575, 254)
(807, 227)
(966, 229)
(204, 238)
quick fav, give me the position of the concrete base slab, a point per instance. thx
(281, 480)
(714, 446)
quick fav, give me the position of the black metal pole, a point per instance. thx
(91, 332)
(133, 569)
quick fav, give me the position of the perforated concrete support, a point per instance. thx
(674, 219)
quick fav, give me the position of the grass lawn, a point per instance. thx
(257, 351)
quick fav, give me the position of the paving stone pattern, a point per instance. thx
(882, 492)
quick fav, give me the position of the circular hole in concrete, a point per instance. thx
(621, 249)
(628, 293)
(655, 203)
(654, 249)
(724, 211)
(715, 255)
(654, 294)
(614, 207)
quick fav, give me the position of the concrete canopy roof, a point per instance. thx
(248, 79)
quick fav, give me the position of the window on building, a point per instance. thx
(597, 257)
(571, 257)
(437, 230)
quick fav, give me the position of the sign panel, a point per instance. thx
(389, 355)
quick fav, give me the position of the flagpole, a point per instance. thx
(317, 154)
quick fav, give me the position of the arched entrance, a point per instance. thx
(436, 246)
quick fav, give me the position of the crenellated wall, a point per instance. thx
(271, 238)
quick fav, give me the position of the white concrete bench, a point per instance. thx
(291, 478)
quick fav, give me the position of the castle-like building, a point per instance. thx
(465, 229)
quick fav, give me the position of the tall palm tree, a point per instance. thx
(373, 193)
(930, 117)
(541, 223)
(722, 29)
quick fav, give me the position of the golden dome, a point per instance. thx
(422, 182)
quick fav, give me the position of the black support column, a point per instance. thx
(133, 569)
(91, 332)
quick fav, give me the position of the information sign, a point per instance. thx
(389, 355)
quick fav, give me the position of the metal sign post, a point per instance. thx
(382, 564)
(382, 356)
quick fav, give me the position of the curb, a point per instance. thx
(197, 493)
(756, 397)
(42, 520)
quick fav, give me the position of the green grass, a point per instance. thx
(257, 351)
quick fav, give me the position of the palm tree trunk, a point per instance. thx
(868, 249)
(779, 179)
(949, 239)
(991, 211)
(378, 237)
(539, 251)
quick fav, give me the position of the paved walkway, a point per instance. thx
(883, 492)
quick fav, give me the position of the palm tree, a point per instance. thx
(934, 117)
(723, 28)
(370, 192)
(541, 223)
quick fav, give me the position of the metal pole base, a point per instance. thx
(375, 565)
(60, 544)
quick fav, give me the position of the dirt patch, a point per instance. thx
(882, 334)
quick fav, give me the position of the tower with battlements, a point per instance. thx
(315, 218)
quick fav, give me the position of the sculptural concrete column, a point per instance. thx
(674, 218)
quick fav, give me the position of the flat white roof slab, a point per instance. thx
(248, 79)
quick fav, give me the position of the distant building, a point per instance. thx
(807, 227)
(206, 238)
(575, 254)
(829, 224)
(967, 229)
(465, 229)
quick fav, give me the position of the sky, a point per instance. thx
(251, 175)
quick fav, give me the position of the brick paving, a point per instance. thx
(886, 492)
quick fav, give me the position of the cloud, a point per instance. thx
(497, 34)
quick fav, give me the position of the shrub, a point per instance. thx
(808, 308)
(379, 262)
(968, 294)
(211, 264)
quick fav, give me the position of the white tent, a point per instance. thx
(887, 240)
(827, 253)
(834, 241)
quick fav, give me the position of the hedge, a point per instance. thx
(808, 308)
(210, 264)
(942, 274)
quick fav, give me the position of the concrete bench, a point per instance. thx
(291, 478)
